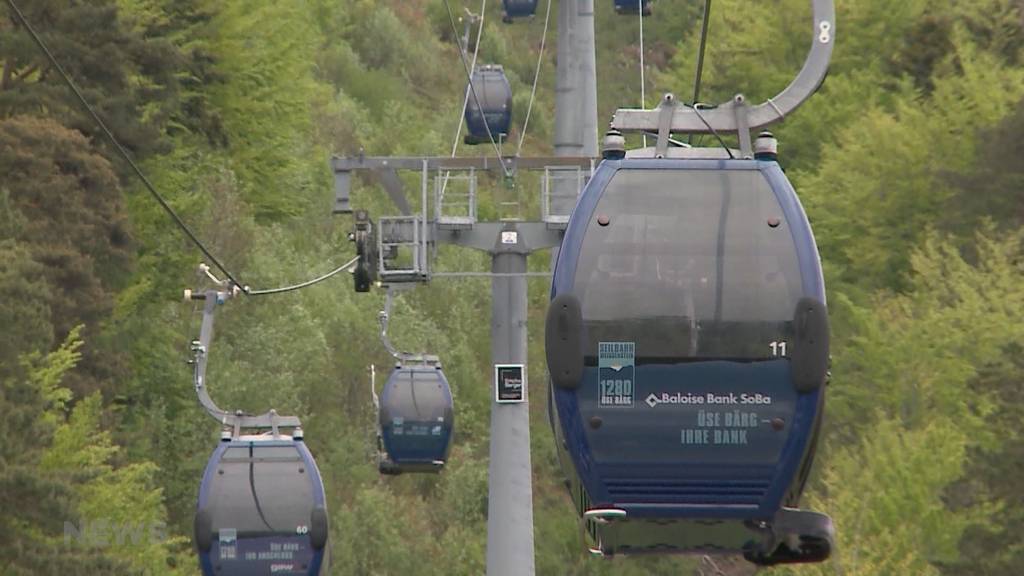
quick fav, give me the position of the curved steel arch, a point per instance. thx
(736, 115)
(237, 420)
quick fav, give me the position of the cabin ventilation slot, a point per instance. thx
(706, 491)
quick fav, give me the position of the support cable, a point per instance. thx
(643, 84)
(117, 145)
(491, 274)
(696, 110)
(700, 58)
(305, 284)
(146, 182)
(536, 77)
(472, 89)
(465, 98)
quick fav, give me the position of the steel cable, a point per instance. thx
(142, 177)
(472, 89)
(536, 77)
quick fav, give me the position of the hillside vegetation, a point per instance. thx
(907, 161)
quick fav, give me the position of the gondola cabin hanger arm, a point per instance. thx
(737, 116)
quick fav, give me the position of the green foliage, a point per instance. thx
(24, 302)
(905, 410)
(263, 47)
(59, 473)
(66, 201)
(869, 219)
(127, 76)
(905, 159)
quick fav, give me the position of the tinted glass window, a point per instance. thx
(691, 264)
(261, 490)
(415, 396)
(492, 90)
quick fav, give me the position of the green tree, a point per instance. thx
(127, 77)
(72, 224)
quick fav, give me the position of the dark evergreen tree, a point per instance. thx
(72, 224)
(128, 78)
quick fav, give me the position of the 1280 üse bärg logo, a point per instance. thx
(616, 371)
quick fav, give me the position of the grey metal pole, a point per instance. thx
(576, 80)
(587, 53)
(575, 94)
(509, 488)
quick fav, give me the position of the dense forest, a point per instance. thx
(906, 161)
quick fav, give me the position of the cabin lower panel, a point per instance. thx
(674, 535)
(790, 536)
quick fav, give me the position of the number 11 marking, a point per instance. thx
(778, 348)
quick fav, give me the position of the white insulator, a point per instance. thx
(766, 146)
(614, 145)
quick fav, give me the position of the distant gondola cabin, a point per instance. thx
(632, 7)
(488, 106)
(518, 9)
(416, 420)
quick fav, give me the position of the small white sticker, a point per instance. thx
(510, 237)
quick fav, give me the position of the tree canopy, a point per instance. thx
(905, 161)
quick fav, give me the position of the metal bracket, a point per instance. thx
(384, 169)
(560, 188)
(604, 515)
(742, 126)
(666, 110)
(455, 209)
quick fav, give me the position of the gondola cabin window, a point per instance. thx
(689, 265)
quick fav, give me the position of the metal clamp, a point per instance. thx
(666, 110)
